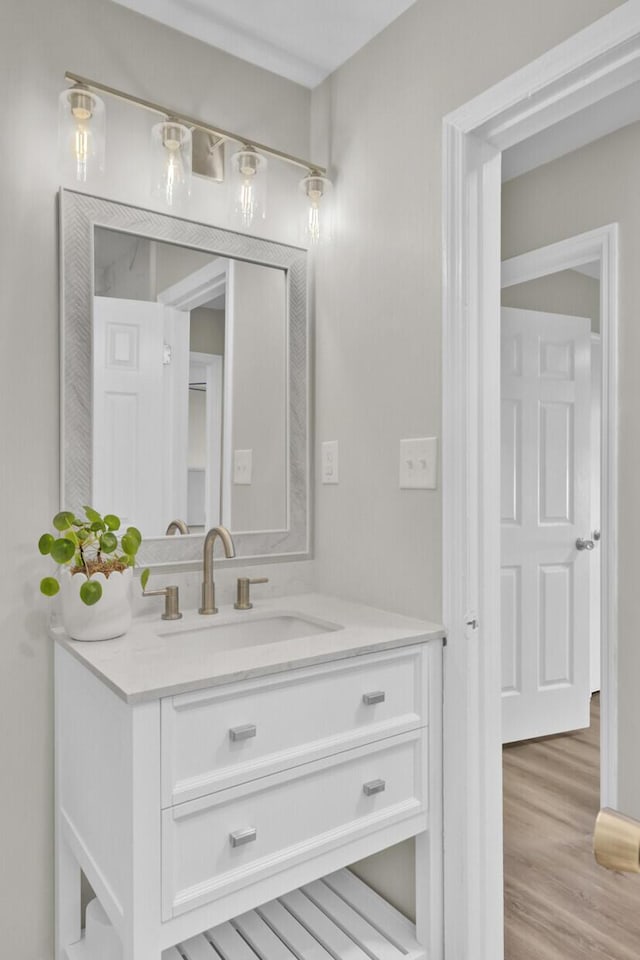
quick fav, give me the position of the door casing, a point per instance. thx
(597, 61)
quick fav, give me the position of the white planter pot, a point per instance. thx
(108, 618)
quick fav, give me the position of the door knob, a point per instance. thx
(584, 544)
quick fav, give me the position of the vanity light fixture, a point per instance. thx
(171, 158)
(316, 188)
(180, 145)
(81, 132)
(248, 172)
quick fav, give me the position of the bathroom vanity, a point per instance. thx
(215, 778)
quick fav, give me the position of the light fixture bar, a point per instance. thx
(191, 122)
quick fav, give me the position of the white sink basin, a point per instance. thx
(252, 631)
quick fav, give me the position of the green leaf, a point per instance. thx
(144, 578)
(97, 526)
(92, 514)
(112, 522)
(83, 535)
(129, 544)
(45, 543)
(62, 550)
(49, 586)
(134, 532)
(90, 592)
(108, 542)
(63, 520)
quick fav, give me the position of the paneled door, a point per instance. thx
(545, 511)
(140, 411)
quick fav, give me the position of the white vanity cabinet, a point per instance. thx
(231, 810)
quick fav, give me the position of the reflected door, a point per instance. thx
(140, 411)
(545, 508)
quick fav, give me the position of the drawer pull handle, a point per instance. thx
(376, 696)
(244, 732)
(239, 837)
(373, 786)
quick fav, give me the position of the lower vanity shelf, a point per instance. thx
(331, 919)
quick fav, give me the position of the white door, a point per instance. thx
(545, 508)
(140, 403)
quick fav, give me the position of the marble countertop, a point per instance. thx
(154, 659)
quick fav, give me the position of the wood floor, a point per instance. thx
(559, 905)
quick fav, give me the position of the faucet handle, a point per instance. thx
(243, 600)
(171, 601)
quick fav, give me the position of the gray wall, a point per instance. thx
(207, 331)
(259, 405)
(39, 40)
(586, 189)
(173, 263)
(568, 292)
(378, 318)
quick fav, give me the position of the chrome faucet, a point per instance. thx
(177, 526)
(208, 586)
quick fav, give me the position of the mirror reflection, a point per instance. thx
(190, 374)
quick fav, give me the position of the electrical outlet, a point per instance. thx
(242, 466)
(329, 461)
(419, 464)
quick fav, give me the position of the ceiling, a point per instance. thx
(303, 40)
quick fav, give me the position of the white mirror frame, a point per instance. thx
(80, 214)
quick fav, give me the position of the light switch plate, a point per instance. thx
(329, 461)
(419, 464)
(242, 466)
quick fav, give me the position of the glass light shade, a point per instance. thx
(316, 221)
(81, 134)
(171, 160)
(248, 186)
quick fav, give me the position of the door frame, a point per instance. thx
(601, 246)
(213, 280)
(213, 365)
(601, 59)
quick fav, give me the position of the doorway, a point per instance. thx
(552, 637)
(574, 77)
(574, 274)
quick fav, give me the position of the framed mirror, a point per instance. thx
(185, 387)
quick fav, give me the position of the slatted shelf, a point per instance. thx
(336, 918)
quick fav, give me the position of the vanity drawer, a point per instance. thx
(214, 845)
(216, 738)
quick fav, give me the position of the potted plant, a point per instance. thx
(94, 572)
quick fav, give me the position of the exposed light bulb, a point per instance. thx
(316, 223)
(172, 158)
(81, 150)
(174, 176)
(248, 170)
(81, 133)
(313, 225)
(247, 202)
